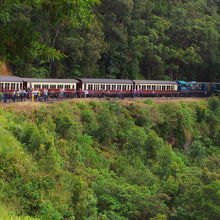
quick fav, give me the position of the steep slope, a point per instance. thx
(105, 160)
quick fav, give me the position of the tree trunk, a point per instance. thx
(54, 42)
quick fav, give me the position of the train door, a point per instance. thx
(24, 85)
(79, 85)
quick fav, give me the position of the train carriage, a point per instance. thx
(106, 86)
(10, 83)
(51, 84)
(152, 87)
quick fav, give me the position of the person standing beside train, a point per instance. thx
(1, 96)
(141, 93)
(134, 93)
(5, 96)
(32, 96)
(14, 96)
(45, 95)
(38, 95)
(86, 93)
(80, 93)
(28, 94)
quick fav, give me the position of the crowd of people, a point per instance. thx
(36, 95)
(24, 95)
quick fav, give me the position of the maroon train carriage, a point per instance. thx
(54, 86)
(156, 88)
(106, 87)
(10, 83)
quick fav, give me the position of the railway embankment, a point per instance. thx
(110, 159)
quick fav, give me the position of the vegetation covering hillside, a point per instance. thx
(110, 161)
(152, 39)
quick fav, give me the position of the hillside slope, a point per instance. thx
(111, 161)
(5, 70)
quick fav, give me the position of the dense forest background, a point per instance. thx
(135, 39)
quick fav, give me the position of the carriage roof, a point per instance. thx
(10, 79)
(47, 80)
(154, 82)
(106, 81)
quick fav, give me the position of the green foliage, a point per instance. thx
(104, 160)
(134, 39)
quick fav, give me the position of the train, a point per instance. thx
(110, 87)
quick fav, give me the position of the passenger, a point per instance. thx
(45, 95)
(86, 93)
(38, 95)
(5, 97)
(35, 92)
(28, 92)
(17, 95)
(141, 93)
(32, 96)
(92, 93)
(74, 94)
(119, 94)
(80, 93)
(122, 94)
(1, 96)
(134, 93)
(64, 93)
(14, 96)
(61, 94)
(103, 93)
(22, 95)
(52, 94)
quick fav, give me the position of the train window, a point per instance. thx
(102, 87)
(158, 87)
(17, 87)
(153, 87)
(168, 87)
(148, 87)
(143, 87)
(118, 87)
(67, 86)
(1, 85)
(13, 86)
(60, 86)
(37, 86)
(53, 86)
(7, 85)
(128, 87)
(90, 87)
(163, 87)
(45, 86)
(172, 87)
(73, 86)
(113, 87)
(124, 87)
(108, 87)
